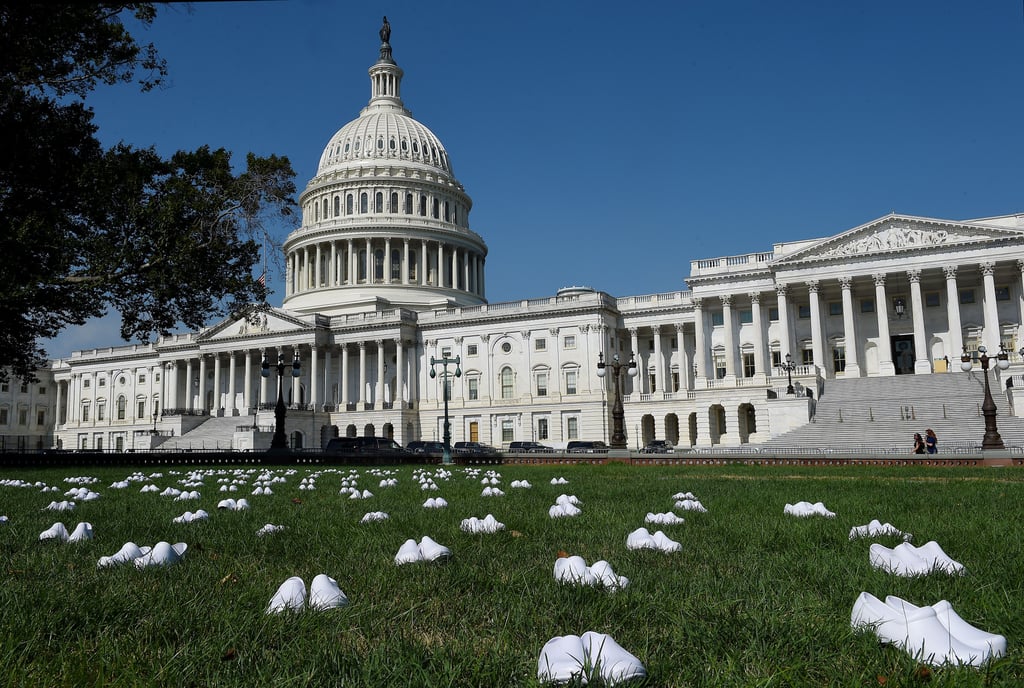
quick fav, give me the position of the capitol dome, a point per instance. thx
(385, 223)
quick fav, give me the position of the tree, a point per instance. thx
(166, 242)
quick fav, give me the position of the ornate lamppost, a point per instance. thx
(992, 440)
(280, 442)
(444, 362)
(618, 439)
(789, 367)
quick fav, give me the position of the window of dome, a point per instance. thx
(447, 212)
(415, 147)
(435, 209)
(405, 146)
(363, 203)
(423, 206)
(378, 202)
(337, 206)
(357, 145)
(391, 144)
(380, 144)
(393, 206)
(408, 204)
(347, 144)
(348, 204)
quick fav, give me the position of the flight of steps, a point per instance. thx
(887, 411)
(213, 433)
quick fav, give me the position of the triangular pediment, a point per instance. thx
(899, 233)
(257, 321)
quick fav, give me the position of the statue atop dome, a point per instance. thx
(385, 46)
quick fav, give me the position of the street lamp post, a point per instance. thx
(789, 367)
(280, 441)
(618, 439)
(444, 362)
(992, 440)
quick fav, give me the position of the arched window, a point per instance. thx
(378, 264)
(325, 208)
(436, 209)
(378, 202)
(363, 203)
(394, 202)
(362, 265)
(507, 383)
(316, 212)
(391, 145)
(337, 206)
(447, 213)
(413, 263)
(396, 264)
(423, 206)
(122, 404)
(380, 144)
(348, 204)
(408, 204)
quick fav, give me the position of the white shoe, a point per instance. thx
(324, 594)
(561, 659)
(932, 553)
(56, 532)
(83, 531)
(573, 570)
(432, 551)
(604, 575)
(640, 538)
(409, 553)
(129, 552)
(609, 659)
(991, 644)
(665, 543)
(290, 596)
(162, 554)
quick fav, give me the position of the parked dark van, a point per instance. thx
(528, 447)
(586, 447)
(474, 449)
(366, 446)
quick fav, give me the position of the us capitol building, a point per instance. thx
(385, 274)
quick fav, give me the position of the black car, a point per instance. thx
(434, 450)
(474, 449)
(586, 447)
(528, 447)
(366, 446)
(658, 447)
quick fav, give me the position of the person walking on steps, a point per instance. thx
(918, 444)
(931, 442)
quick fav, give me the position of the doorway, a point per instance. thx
(903, 354)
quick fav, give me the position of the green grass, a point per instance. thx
(755, 598)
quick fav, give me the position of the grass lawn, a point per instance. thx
(755, 597)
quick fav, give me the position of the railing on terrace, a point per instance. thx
(724, 264)
(186, 412)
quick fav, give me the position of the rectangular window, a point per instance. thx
(748, 365)
(572, 428)
(653, 381)
(570, 382)
(835, 308)
(746, 317)
(650, 345)
(540, 344)
(932, 299)
(85, 413)
(569, 341)
(717, 319)
(839, 358)
(675, 380)
(542, 384)
(101, 411)
(773, 314)
(474, 388)
(803, 312)
(86, 383)
(719, 365)
(24, 389)
(776, 359)
(4, 387)
(3, 416)
(507, 431)
(40, 418)
(142, 378)
(102, 382)
(42, 390)
(1002, 293)
(99, 442)
(808, 356)
(141, 411)
(23, 417)
(446, 352)
(675, 344)
(471, 349)
(867, 305)
(542, 428)
(966, 296)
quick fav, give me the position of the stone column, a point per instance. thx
(700, 358)
(264, 381)
(685, 372)
(422, 276)
(189, 388)
(440, 265)
(215, 411)
(759, 342)
(343, 352)
(631, 383)
(785, 335)
(378, 400)
(361, 395)
(317, 273)
(405, 261)
(387, 260)
(730, 337)
(659, 362)
(350, 259)
(956, 333)
(849, 332)
(369, 262)
(250, 403)
(314, 377)
(327, 395)
(885, 365)
(991, 334)
(201, 391)
(922, 358)
(399, 373)
(229, 408)
(332, 277)
(817, 335)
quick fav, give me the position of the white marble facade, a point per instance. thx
(385, 274)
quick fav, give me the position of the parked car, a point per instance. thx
(586, 447)
(658, 447)
(474, 449)
(528, 447)
(429, 448)
(366, 446)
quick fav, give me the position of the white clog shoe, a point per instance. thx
(291, 596)
(324, 594)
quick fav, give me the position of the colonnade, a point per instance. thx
(402, 261)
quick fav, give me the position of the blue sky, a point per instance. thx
(609, 144)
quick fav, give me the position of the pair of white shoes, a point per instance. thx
(425, 550)
(60, 506)
(641, 538)
(231, 505)
(935, 634)
(906, 560)
(574, 570)
(372, 516)
(525, 484)
(435, 503)
(82, 532)
(488, 524)
(689, 504)
(666, 519)
(324, 594)
(269, 529)
(492, 492)
(163, 554)
(559, 481)
(189, 517)
(804, 509)
(877, 529)
(587, 657)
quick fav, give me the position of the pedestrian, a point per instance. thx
(931, 441)
(918, 444)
